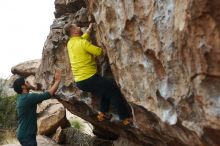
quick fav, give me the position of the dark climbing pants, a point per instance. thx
(28, 141)
(109, 93)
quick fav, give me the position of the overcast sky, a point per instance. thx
(24, 27)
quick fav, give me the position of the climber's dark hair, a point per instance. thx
(18, 84)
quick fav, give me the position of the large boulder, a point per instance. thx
(51, 115)
(26, 68)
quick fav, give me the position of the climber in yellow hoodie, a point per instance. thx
(82, 59)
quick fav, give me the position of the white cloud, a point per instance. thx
(24, 27)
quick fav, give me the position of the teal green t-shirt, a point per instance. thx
(27, 117)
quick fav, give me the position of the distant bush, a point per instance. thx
(2, 84)
(8, 115)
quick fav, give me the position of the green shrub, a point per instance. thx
(77, 125)
(8, 115)
(2, 84)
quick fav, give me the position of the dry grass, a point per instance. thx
(7, 137)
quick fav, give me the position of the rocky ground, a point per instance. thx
(41, 140)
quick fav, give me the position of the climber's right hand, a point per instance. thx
(89, 29)
(90, 26)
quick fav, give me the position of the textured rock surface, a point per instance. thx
(59, 137)
(77, 138)
(51, 115)
(165, 57)
(169, 46)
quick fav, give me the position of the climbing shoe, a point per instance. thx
(104, 117)
(127, 122)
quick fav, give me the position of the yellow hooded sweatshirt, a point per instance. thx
(82, 57)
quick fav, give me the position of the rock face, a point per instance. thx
(171, 47)
(164, 56)
(164, 46)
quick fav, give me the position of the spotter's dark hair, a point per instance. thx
(18, 84)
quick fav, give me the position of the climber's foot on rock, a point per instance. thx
(104, 116)
(128, 122)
